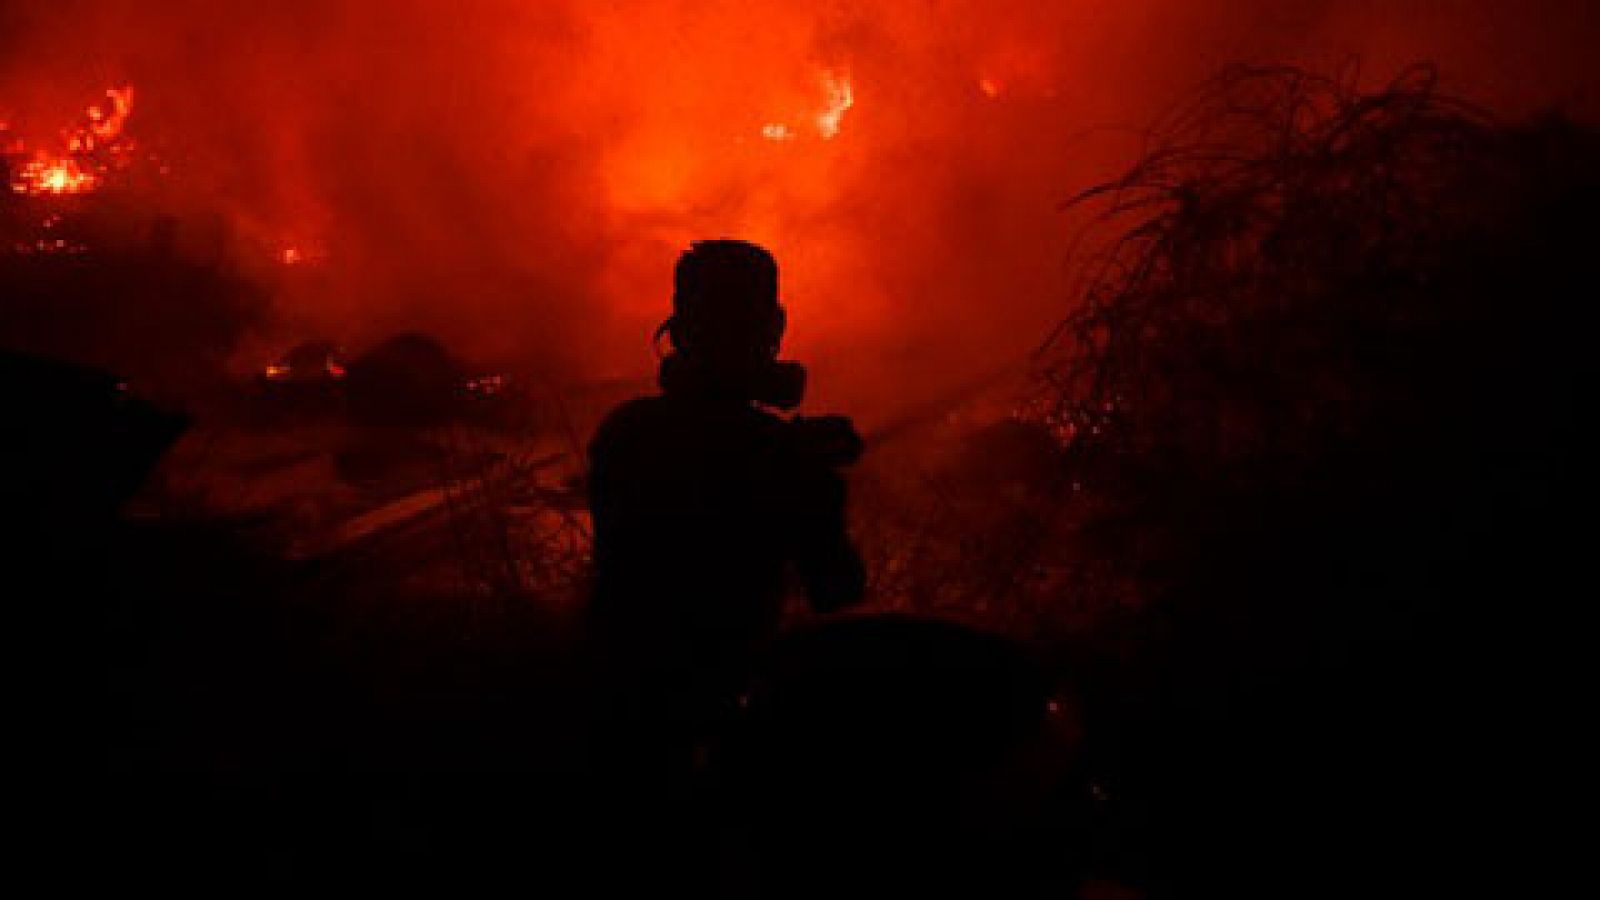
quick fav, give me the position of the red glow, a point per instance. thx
(841, 97)
(837, 98)
(89, 151)
(487, 385)
(518, 180)
(55, 176)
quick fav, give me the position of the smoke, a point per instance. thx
(518, 177)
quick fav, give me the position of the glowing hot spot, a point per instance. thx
(841, 96)
(54, 176)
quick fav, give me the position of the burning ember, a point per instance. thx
(296, 250)
(839, 97)
(92, 149)
(63, 176)
(48, 246)
(312, 362)
(487, 385)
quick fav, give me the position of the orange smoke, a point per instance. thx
(517, 177)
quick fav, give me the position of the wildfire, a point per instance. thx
(838, 97)
(108, 126)
(55, 176)
(298, 251)
(94, 147)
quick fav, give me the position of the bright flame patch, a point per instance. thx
(94, 147)
(838, 97)
(841, 96)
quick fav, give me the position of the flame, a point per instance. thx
(109, 126)
(838, 97)
(296, 249)
(94, 147)
(278, 372)
(55, 176)
(841, 96)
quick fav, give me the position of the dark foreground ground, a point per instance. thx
(197, 714)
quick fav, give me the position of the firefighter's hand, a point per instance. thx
(833, 439)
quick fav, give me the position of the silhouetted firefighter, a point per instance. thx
(707, 502)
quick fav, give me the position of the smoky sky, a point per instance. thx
(517, 177)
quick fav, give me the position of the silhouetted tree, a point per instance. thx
(1324, 391)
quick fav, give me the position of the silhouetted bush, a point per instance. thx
(1322, 396)
(1317, 297)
